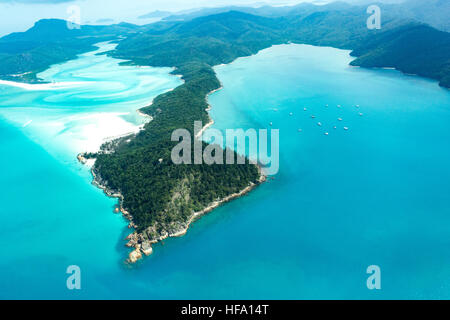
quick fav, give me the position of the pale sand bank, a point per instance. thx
(41, 86)
(89, 131)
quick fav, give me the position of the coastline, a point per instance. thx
(144, 114)
(211, 121)
(144, 247)
(136, 240)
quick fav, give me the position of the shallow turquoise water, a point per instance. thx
(375, 194)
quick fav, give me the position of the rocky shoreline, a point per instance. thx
(137, 241)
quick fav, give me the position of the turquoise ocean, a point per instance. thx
(375, 194)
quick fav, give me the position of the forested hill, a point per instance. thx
(432, 12)
(50, 41)
(408, 46)
(207, 40)
(415, 49)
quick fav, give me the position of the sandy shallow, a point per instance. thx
(84, 102)
(41, 86)
(95, 129)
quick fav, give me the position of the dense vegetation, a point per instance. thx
(393, 48)
(160, 195)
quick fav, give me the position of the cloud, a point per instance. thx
(36, 1)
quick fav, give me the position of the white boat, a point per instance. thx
(304, 109)
(326, 133)
(319, 124)
(360, 114)
(270, 124)
(339, 119)
(290, 113)
(27, 123)
(313, 116)
(345, 128)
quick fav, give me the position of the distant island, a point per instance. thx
(155, 14)
(161, 199)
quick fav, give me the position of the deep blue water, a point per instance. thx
(375, 194)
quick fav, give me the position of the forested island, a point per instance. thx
(162, 198)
